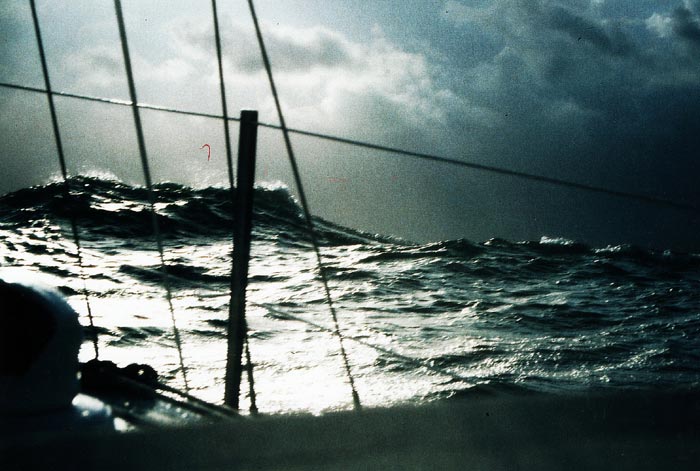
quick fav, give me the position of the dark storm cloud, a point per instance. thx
(586, 88)
(594, 98)
(580, 28)
(686, 25)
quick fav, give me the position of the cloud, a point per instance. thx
(582, 95)
(294, 49)
(581, 28)
(660, 24)
(97, 68)
(99, 71)
(686, 25)
(455, 12)
(692, 5)
(372, 90)
(683, 23)
(299, 50)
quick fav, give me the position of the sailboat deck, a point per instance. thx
(621, 431)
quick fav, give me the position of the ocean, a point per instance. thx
(421, 322)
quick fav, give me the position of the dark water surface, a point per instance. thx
(548, 315)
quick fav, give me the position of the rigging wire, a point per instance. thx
(498, 170)
(229, 163)
(647, 199)
(304, 205)
(224, 106)
(149, 185)
(64, 173)
(114, 101)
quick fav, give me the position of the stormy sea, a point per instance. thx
(420, 322)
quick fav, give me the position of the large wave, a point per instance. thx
(104, 207)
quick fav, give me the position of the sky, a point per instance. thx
(600, 92)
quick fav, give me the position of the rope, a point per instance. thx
(64, 173)
(229, 161)
(663, 202)
(304, 205)
(149, 184)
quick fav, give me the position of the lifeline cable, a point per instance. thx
(647, 199)
(229, 162)
(149, 184)
(304, 205)
(64, 173)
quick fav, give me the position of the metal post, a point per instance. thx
(243, 214)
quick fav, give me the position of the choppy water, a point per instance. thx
(510, 317)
